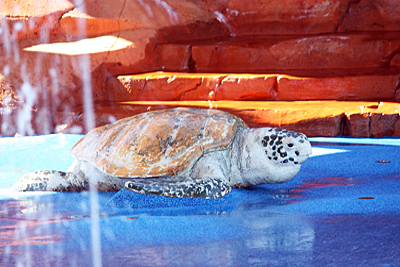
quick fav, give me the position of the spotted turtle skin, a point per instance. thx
(275, 149)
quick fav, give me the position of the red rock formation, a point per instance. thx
(332, 118)
(266, 17)
(52, 54)
(329, 51)
(166, 86)
(377, 15)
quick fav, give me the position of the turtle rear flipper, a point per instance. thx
(51, 181)
(205, 188)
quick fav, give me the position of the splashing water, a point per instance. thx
(43, 93)
(84, 64)
(172, 14)
(221, 18)
(25, 114)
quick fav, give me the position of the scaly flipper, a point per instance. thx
(51, 181)
(205, 188)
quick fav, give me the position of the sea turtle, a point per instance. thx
(181, 152)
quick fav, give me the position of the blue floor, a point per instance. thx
(342, 209)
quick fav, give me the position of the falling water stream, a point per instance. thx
(28, 96)
(84, 64)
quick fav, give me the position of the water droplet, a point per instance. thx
(6, 70)
(18, 26)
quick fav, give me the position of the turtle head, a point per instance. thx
(285, 147)
(273, 155)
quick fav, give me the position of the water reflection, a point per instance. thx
(255, 238)
(22, 234)
(323, 182)
(279, 234)
(33, 232)
(282, 233)
(255, 232)
(213, 254)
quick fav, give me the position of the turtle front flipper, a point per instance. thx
(51, 181)
(205, 188)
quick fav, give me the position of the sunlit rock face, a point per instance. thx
(72, 65)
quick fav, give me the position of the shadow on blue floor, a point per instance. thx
(342, 209)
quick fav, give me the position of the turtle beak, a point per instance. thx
(305, 151)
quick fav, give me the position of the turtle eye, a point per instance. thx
(290, 145)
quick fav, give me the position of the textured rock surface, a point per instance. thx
(54, 54)
(165, 86)
(380, 15)
(330, 51)
(31, 19)
(278, 17)
(314, 118)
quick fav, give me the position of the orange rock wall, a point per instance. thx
(165, 86)
(118, 54)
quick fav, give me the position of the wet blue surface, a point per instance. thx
(342, 209)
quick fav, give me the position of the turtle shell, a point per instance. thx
(157, 143)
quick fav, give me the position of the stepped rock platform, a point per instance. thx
(314, 118)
